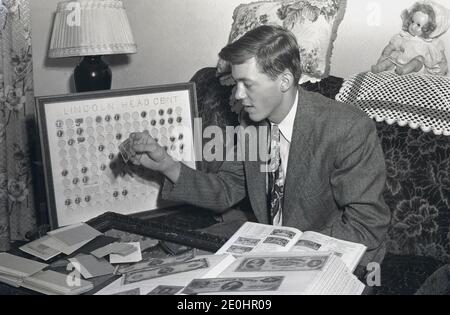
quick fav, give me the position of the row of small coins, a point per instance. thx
(80, 131)
(111, 156)
(117, 117)
(119, 136)
(87, 199)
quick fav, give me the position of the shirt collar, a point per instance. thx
(287, 125)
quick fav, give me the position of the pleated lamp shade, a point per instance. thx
(91, 28)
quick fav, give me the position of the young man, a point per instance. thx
(329, 171)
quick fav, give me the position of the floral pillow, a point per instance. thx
(314, 22)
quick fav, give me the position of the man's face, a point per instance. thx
(260, 95)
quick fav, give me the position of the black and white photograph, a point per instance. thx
(143, 135)
(251, 264)
(247, 241)
(240, 250)
(152, 262)
(247, 284)
(145, 274)
(303, 263)
(165, 290)
(283, 233)
(277, 241)
(338, 254)
(309, 244)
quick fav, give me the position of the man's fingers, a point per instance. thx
(153, 150)
(137, 136)
(146, 150)
(145, 147)
(142, 138)
(134, 160)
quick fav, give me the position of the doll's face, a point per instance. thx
(418, 21)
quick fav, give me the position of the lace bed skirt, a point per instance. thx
(417, 101)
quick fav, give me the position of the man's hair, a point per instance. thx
(274, 48)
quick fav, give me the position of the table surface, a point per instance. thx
(191, 220)
(200, 220)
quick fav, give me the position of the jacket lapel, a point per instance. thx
(256, 185)
(296, 161)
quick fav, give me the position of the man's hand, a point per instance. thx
(151, 155)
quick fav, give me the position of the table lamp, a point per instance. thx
(91, 29)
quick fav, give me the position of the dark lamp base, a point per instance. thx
(92, 74)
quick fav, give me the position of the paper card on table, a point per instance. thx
(136, 291)
(103, 251)
(91, 267)
(62, 247)
(98, 242)
(18, 266)
(133, 257)
(40, 250)
(122, 249)
(74, 234)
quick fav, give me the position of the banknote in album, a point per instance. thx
(285, 273)
(254, 238)
(165, 276)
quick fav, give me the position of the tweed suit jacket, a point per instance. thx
(334, 182)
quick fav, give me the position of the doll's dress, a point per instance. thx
(408, 47)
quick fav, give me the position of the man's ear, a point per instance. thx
(287, 81)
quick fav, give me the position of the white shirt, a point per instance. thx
(286, 128)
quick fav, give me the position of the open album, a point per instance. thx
(269, 274)
(290, 273)
(261, 238)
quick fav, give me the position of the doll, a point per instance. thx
(417, 47)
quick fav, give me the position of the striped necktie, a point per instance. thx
(275, 176)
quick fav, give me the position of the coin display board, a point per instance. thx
(80, 135)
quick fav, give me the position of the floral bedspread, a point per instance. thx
(417, 191)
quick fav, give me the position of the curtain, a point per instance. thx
(17, 213)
